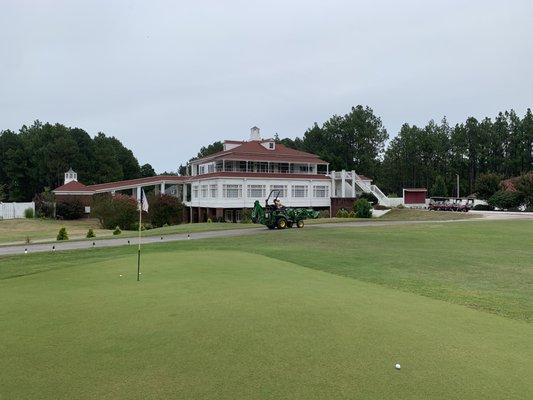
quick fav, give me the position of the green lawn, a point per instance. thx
(298, 314)
(15, 231)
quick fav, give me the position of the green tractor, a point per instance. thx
(277, 216)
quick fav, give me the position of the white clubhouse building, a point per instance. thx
(221, 185)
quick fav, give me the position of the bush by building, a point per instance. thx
(363, 209)
(342, 213)
(524, 185)
(119, 210)
(117, 230)
(165, 209)
(70, 210)
(28, 213)
(370, 197)
(505, 200)
(487, 185)
(44, 204)
(90, 233)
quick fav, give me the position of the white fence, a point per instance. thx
(14, 210)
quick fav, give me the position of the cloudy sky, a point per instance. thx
(166, 77)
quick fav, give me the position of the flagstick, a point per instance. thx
(139, 249)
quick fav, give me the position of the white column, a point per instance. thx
(138, 193)
(162, 187)
(343, 183)
(353, 183)
(310, 193)
(184, 193)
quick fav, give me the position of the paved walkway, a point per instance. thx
(113, 242)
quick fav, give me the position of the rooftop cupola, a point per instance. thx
(254, 134)
(70, 176)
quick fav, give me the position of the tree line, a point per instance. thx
(430, 156)
(37, 156)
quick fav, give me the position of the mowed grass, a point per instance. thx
(235, 325)
(303, 314)
(15, 231)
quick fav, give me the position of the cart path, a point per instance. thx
(113, 242)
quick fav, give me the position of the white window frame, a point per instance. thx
(320, 191)
(236, 191)
(299, 191)
(213, 190)
(195, 192)
(256, 191)
(281, 188)
(204, 190)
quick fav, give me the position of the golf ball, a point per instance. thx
(397, 366)
(120, 274)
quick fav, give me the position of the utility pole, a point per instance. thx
(457, 175)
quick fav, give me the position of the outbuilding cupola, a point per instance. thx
(71, 176)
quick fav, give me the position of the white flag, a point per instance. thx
(144, 202)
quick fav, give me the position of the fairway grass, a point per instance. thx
(206, 324)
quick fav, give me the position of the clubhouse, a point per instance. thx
(223, 184)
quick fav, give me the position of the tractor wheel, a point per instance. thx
(300, 223)
(282, 223)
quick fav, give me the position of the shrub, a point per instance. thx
(62, 234)
(352, 214)
(323, 214)
(148, 226)
(165, 209)
(44, 204)
(483, 207)
(27, 240)
(342, 213)
(117, 231)
(506, 199)
(28, 213)
(135, 226)
(90, 233)
(220, 219)
(209, 221)
(486, 185)
(119, 210)
(380, 207)
(72, 209)
(363, 209)
(246, 216)
(524, 185)
(401, 206)
(370, 197)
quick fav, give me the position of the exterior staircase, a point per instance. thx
(349, 184)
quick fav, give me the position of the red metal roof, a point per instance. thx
(415, 189)
(259, 175)
(254, 151)
(73, 186)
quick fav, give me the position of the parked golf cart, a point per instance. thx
(450, 204)
(275, 215)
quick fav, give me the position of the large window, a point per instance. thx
(257, 191)
(213, 189)
(204, 190)
(299, 191)
(320, 191)
(195, 192)
(232, 191)
(282, 189)
(211, 168)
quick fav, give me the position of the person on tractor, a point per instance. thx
(277, 203)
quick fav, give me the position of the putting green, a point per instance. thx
(234, 325)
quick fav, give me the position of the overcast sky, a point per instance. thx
(166, 77)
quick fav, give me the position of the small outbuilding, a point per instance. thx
(414, 197)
